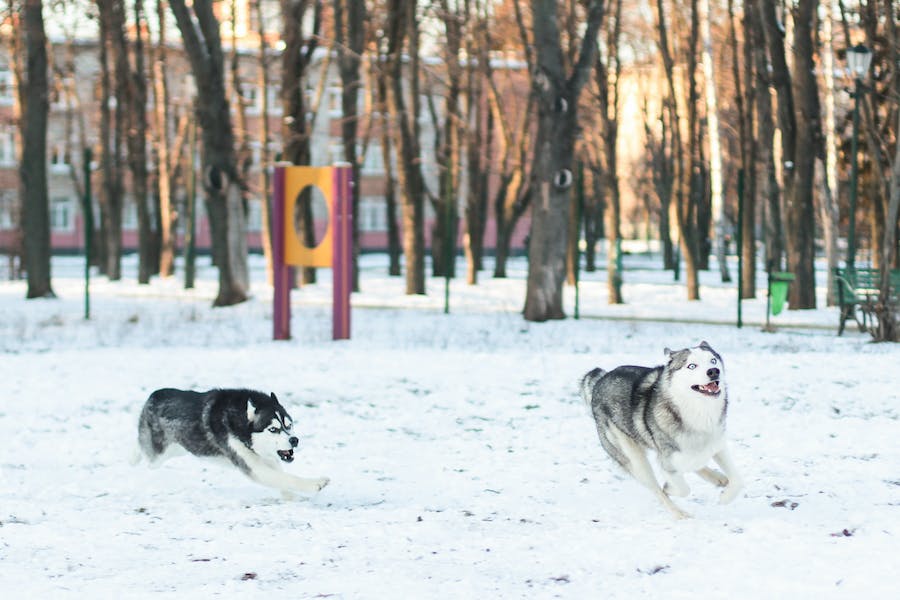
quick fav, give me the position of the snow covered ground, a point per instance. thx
(462, 462)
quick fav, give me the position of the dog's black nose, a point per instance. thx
(294, 441)
(713, 373)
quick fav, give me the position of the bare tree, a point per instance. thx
(608, 73)
(402, 26)
(264, 141)
(516, 145)
(685, 200)
(131, 91)
(448, 144)
(715, 151)
(33, 168)
(745, 98)
(165, 160)
(552, 175)
(349, 18)
(199, 29)
(297, 129)
(798, 119)
(112, 131)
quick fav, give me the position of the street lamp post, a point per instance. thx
(858, 60)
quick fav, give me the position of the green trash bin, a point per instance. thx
(779, 282)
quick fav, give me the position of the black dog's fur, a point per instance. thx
(250, 429)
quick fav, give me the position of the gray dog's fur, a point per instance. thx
(677, 410)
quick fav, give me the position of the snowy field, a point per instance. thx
(462, 462)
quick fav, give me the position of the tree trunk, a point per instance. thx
(33, 169)
(350, 48)
(200, 32)
(801, 208)
(552, 174)
(715, 151)
(685, 202)
(296, 57)
(765, 133)
(161, 114)
(131, 86)
(829, 205)
(798, 117)
(608, 101)
(111, 132)
(265, 205)
(402, 23)
(745, 99)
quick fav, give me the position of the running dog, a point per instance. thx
(677, 410)
(248, 428)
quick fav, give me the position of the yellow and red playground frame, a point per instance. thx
(333, 251)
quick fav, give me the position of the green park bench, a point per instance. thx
(858, 293)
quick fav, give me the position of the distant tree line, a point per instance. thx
(732, 91)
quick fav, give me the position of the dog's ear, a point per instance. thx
(251, 411)
(668, 352)
(705, 346)
(274, 399)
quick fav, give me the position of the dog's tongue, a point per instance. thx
(710, 388)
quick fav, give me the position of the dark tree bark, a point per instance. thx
(33, 169)
(513, 195)
(200, 32)
(685, 208)
(478, 145)
(264, 139)
(296, 57)
(745, 99)
(446, 221)
(405, 123)
(349, 38)
(798, 118)
(608, 96)
(552, 175)
(164, 159)
(111, 140)
(765, 132)
(395, 248)
(131, 86)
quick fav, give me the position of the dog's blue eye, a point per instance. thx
(273, 429)
(692, 366)
(713, 361)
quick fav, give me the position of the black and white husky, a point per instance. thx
(248, 428)
(677, 410)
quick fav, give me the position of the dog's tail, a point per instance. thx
(588, 382)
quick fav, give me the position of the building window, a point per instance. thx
(7, 87)
(374, 163)
(8, 208)
(62, 214)
(129, 215)
(334, 102)
(372, 214)
(254, 216)
(7, 146)
(59, 158)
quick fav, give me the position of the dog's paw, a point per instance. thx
(730, 492)
(678, 489)
(679, 514)
(714, 477)
(321, 483)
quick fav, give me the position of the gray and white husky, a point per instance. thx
(677, 410)
(248, 428)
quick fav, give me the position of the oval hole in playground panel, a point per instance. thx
(310, 216)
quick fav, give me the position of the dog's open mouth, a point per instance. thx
(286, 455)
(710, 389)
